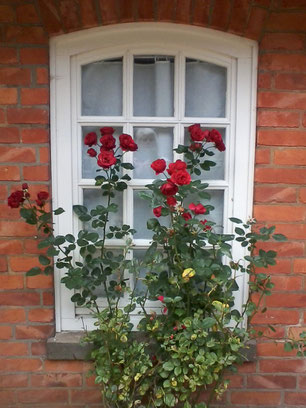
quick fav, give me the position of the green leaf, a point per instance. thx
(239, 231)
(59, 240)
(279, 237)
(80, 210)
(92, 236)
(34, 271)
(168, 366)
(44, 260)
(169, 400)
(127, 166)
(235, 220)
(59, 211)
(208, 322)
(288, 347)
(70, 238)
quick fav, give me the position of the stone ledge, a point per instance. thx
(66, 346)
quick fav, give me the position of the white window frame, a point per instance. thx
(68, 51)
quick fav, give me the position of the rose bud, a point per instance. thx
(25, 186)
(171, 201)
(90, 139)
(91, 152)
(157, 211)
(169, 188)
(159, 166)
(161, 298)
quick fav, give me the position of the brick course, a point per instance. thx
(27, 304)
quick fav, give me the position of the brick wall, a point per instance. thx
(27, 379)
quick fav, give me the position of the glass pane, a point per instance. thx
(93, 197)
(153, 85)
(217, 201)
(153, 143)
(205, 89)
(89, 164)
(142, 212)
(100, 291)
(102, 88)
(216, 172)
(140, 286)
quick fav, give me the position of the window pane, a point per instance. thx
(216, 200)
(142, 212)
(205, 89)
(89, 164)
(93, 197)
(100, 291)
(153, 85)
(102, 88)
(153, 143)
(216, 172)
(140, 286)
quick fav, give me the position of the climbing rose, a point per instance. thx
(91, 152)
(108, 142)
(107, 130)
(106, 159)
(90, 139)
(25, 186)
(158, 166)
(15, 199)
(42, 196)
(176, 166)
(196, 134)
(181, 177)
(171, 201)
(169, 188)
(186, 216)
(161, 298)
(127, 143)
(216, 137)
(195, 146)
(197, 209)
(157, 211)
(206, 227)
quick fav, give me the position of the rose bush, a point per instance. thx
(193, 333)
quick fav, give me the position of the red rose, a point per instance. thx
(157, 211)
(169, 188)
(178, 165)
(206, 227)
(159, 166)
(107, 130)
(127, 143)
(15, 199)
(90, 139)
(195, 146)
(196, 134)
(171, 201)
(25, 186)
(106, 159)
(43, 195)
(186, 216)
(197, 209)
(216, 137)
(181, 177)
(108, 142)
(161, 298)
(91, 152)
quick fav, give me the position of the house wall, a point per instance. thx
(27, 378)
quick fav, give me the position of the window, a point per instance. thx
(151, 81)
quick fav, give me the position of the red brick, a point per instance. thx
(34, 332)
(41, 315)
(69, 14)
(287, 283)
(23, 263)
(277, 317)
(276, 175)
(30, 246)
(239, 16)
(19, 299)
(108, 11)
(273, 350)
(285, 62)
(293, 22)
(13, 349)
(263, 156)
(8, 55)
(34, 135)
(256, 22)
(295, 398)
(292, 231)
(3, 192)
(2, 116)
(8, 96)
(17, 154)
(15, 76)
(41, 396)
(20, 364)
(36, 96)
(236, 381)
(146, 10)
(272, 381)
(183, 11)
(220, 15)
(264, 81)
(289, 248)
(16, 229)
(34, 56)
(10, 246)
(7, 14)
(126, 10)
(39, 348)
(295, 300)
(42, 76)
(92, 396)
(295, 157)
(40, 282)
(28, 115)
(50, 16)
(295, 332)
(290, 81)
(44, 155)
(65, 366)
(282, 100)
(256, 398)
(279, 213)
(12, 315)
(275, 194)
(282, 41)
(13, 381)
(304, 120)
(9, 213)
(9, 135)
(281, 138)
(48, 298)
(263, 3)
(278, 119)
(9, 173)
(36, 173)
(7, 398)
(25, 35)
(200, 11)
(56, 380)
(302, 195)
(27, 14)
(11, 282)
(302, 382)
(5, 332)
(3, 264)
(299, 265)
(88, 14)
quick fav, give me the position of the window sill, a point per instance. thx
(66, 346)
